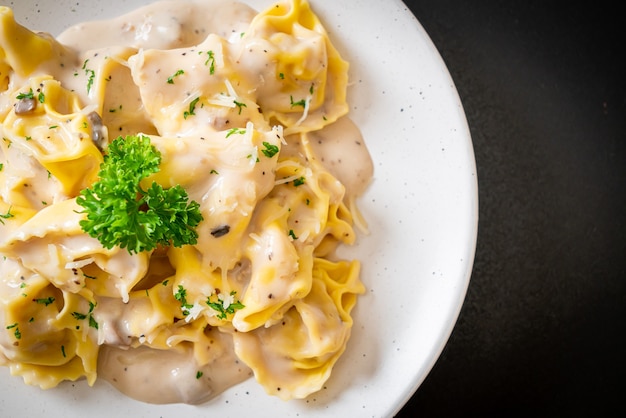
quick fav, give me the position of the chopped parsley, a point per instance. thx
(270, 150)
(181, 296)
(298, 103)
(170, 79)
(210, 61)
(29, 95)
(92, 322)
(239, 105)
(16, 330)
(44, 301)
(6, 216)
(225, 305)
(81, 316)
(192, 108)
(234, 131)
(91, 74)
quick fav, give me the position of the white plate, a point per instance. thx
(422, 208)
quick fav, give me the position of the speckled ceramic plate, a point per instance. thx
(421, 209)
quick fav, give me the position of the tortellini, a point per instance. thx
(230, 111)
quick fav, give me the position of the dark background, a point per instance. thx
(542, 329)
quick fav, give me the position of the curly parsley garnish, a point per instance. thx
(121, 213)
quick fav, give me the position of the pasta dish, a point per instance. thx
(174, 186)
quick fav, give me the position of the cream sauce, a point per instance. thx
(170, 376)
(166, 25)
(146, 374)
(342, 150)
(163, 25)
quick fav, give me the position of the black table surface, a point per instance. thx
(542, 327)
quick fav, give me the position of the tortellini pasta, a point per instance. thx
(232, 112)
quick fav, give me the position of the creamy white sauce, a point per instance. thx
(342, 150)
(171, 376)
(163, 25)
(167, 25)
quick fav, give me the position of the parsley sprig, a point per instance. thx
(120, 213)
